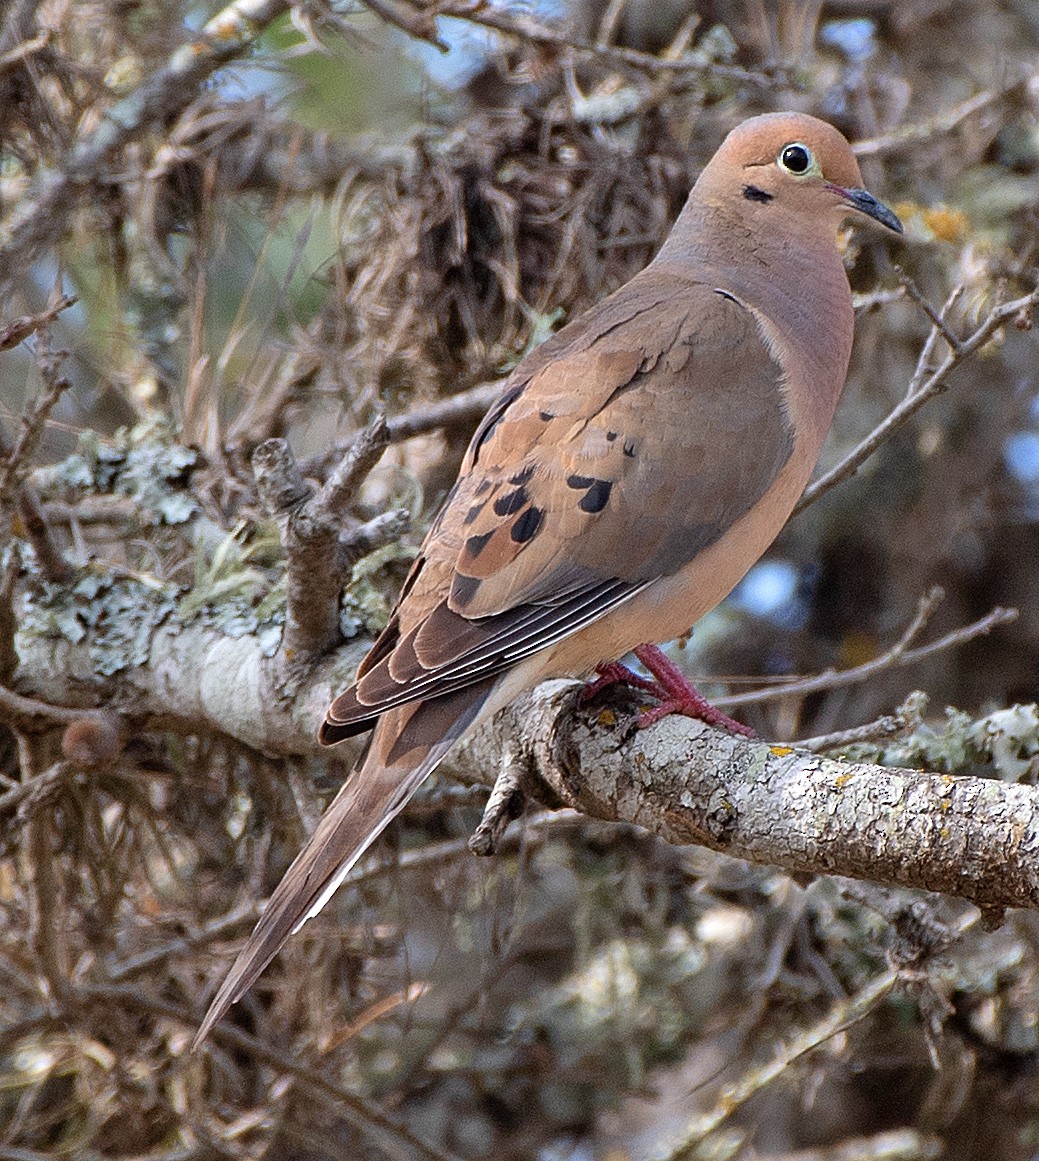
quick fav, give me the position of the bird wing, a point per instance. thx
(626, 445)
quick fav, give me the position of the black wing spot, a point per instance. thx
(511, 502)
(463, 588)
(528, 525)
(522, 477)
(753, 194)
(483, 487)
(473, 512)
(476, 544)
(546, 416)
(579, 482)
(594, 500)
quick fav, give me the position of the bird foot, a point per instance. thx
(613, 673)
(674, 691)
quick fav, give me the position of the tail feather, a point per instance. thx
(407, 745)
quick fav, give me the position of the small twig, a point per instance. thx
(30, 795)
(30, 714)
(421, 25)
(841, 1016)
(92, 510)
(365, 452)
(890, 1145)
(21, 53)
(934, 126)
(19, 329)
(47, 935)
(511, 22)
(465, 408)
(240, 918)
(864, 303)
(8, 618)
(905, 719)
(34, 419)
(37, 531)
(937, 317)
(897, 657)
(505, 803)
(929, 386)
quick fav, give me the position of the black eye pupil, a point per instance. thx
(796, 158)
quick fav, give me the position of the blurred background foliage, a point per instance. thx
(351, 217)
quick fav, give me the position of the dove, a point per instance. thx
(634, 467)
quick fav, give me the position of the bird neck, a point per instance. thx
(792, 279)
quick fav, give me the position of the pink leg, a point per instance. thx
(677, 695)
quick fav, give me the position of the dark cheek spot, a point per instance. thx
(629, 448)
(753, 194)
(511, 502)
(611, 436)
(594, 500)
(528, 525)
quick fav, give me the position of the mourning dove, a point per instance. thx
(634, 468)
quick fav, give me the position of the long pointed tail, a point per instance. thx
(405, 747)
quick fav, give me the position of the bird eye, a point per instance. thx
(796, 159)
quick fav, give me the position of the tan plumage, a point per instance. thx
(635, 467)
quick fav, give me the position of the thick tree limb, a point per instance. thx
(973, 837)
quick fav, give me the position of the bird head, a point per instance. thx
(792, 162)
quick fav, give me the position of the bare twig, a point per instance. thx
(240, 919)
(512, 22)
(891, 1145)
(34, 419)
(37, 531)
(906, 957)
(897, 656)
(937, 317)
(842, 1015)
(465, 408)
(8, 620)
(19, 329)
(420, 24)
(930, 385)
(33, 793)
(38, 863)
(906, 718)
(937, 126)
(29, 713)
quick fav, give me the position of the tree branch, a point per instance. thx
(972, 837)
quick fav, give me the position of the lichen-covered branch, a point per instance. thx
(322, 541)
(973, 837)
